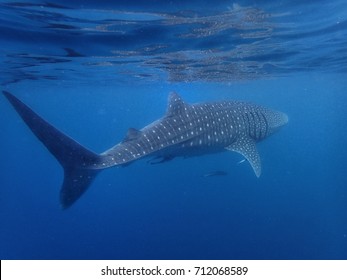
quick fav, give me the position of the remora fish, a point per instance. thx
(215, 173)
(185, 130)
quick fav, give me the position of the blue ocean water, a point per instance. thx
(95, 68)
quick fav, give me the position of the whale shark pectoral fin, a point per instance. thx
(246, 147)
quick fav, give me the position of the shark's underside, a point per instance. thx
(185, 130)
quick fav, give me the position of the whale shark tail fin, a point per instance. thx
(77, 161)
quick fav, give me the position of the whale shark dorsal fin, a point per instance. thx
(246, 147)
(132, 134)
(175, 105)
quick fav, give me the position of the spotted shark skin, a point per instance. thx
(185, 130)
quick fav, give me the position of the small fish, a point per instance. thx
(215, 173)
(241, 161)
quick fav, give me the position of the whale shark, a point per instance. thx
(185, 130)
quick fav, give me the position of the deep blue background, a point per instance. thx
(297, 209)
